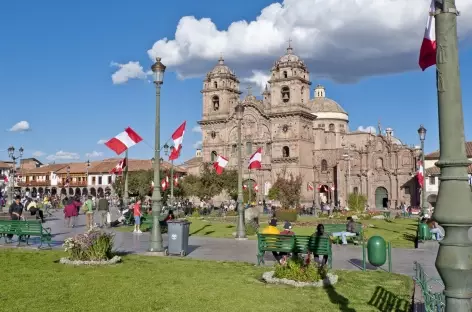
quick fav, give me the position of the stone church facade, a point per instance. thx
(303, 136)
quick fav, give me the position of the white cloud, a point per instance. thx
(258, 78)
(20, 127)
(131, 70)
(101, 141)
(197, 144)
(368, 129)
(61, 155)
(37, 154)
(94, 154)
(339, 39)
(197, 129)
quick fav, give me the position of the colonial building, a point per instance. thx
(432, 173)
(303, 136)
(81, 178)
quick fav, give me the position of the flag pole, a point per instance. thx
(125, 192)
(250, 187)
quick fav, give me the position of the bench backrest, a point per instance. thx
(275, 242)
(31, 226)
(333, 228)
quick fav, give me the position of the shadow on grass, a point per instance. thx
(358, 264)
(200, 229)
(230, 226)
(338, 299)
(386, 301)
(208, 233)
(409, 237)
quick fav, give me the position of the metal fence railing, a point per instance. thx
(433, 301)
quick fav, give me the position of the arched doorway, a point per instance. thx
(100, 192)
(71, 191)
(84, 191)
(77, 191)
(53, 191)
(41, 191)
(381, 198)
(107, 191)
(64, 192)
(432, 198)
(93, 192)
(34, 192)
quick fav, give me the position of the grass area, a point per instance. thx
(400, 232)
(38, 283)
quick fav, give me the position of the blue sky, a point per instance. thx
(56, 56)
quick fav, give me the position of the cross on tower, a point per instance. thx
(289, 42)
(249, 90)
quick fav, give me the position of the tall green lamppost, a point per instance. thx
(14, 158)
(424, 204)
(454, 205)
(155, 244)
(241, 229)
(166, 152)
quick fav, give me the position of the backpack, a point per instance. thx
(84, 207)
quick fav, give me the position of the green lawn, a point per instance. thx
(34, 281)
(400, 232)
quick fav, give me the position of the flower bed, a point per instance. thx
(300, 273)
(92, 247)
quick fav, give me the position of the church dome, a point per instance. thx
(289, 60)
(326, 108)
(220, 69)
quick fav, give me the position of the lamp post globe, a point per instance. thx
(241, 228)
(422, 133)
(166, 149)
(424, 204)
(11, 151)
(155, 244)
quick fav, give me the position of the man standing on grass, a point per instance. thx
(137, 217)
(103, 209)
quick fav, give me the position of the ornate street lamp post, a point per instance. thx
(166, 152)
(241, 230)
(424, 204)
(155, 244)
(11, 154)
(453, 209)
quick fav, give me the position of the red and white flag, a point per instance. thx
(165, 183)
(5, 178)
(420, 173)
(244, 186)
(177, 137)
(310, 186)
(256, 159)
(123, 141)
(256, 187)
(118, 170)
(176, 180)
(428, 46)
(220, 164)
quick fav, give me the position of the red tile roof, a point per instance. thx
(435, 155)
(434, 171)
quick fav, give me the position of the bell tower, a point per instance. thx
(290, 81)
(220, 92)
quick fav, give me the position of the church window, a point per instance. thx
(285, 151)
(234, 148)
(379, 163)
(324, 165)
(248, 148)
(432, 180)
(285, 74)
(213, 155)
(321, 126)
(216, 102)
(406, 190)
(356, 190)
(213, 134)
(285, 94)
(341, 126)
(215, 84)
(331, 127)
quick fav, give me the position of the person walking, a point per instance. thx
(103, 209)
(89, 213)
(137, 217)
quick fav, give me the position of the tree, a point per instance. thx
(357, 202)
(287, 189)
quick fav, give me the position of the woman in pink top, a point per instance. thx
(70, 212)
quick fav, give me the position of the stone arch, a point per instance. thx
(381, 198)
(331, 127)
(53, 191)
(215, 100)
(85, 191)
(71, 191)
(355, 190)
(215, 84)
(41, 191)
(77, 191)
(100, 191)
(64, 192)
(93, 191)
(213, 156)
(285, 151)
(107, 191)
(379, 163)
(284, 74)
(285, 93)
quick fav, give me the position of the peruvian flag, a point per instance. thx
(310, 186)
(256, 187)
(5, 178)
(220, 164)
(177, 137)
(176, 180)
(428, 46)
(123, 141)
(256, 159)
(165, 183)
(244, 186)
(420, 173)
(118, 170)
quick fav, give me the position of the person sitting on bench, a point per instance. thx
(33, 209)
(272, 229)
(320, 233)
(350, 231)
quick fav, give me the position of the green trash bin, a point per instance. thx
(423, 232)
(377, 251)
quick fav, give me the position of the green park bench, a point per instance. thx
(146, 219)
(423, 232)
(295, 244)
(25, 229)
(336, 228)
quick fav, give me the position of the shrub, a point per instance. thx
(300, 270)
(93, 245)
(196, 214)
(290, 215)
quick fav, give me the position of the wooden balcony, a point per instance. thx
(73, 184)
(34, 183)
